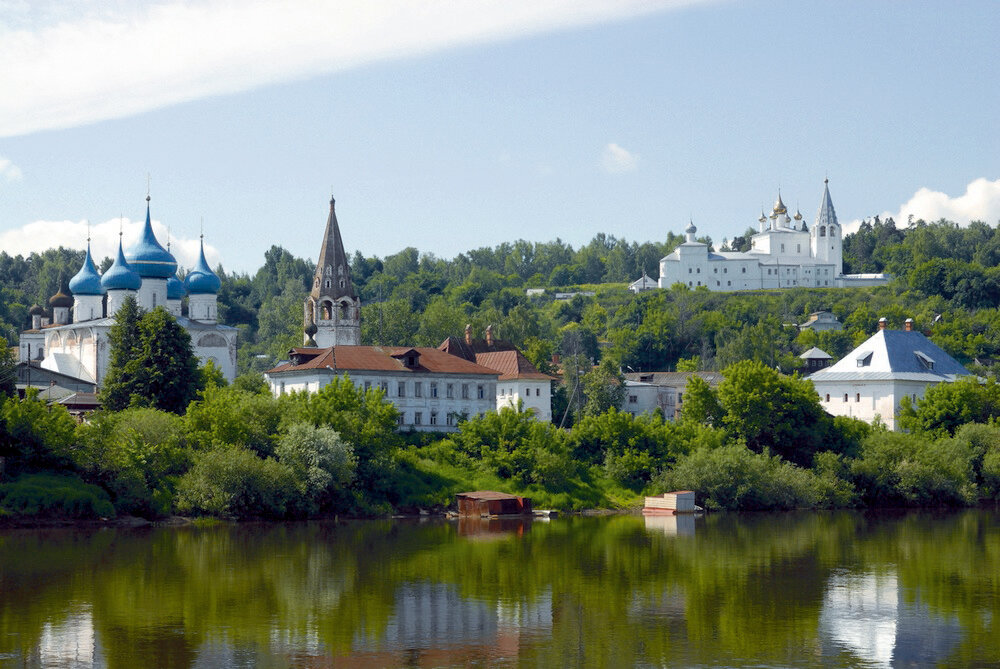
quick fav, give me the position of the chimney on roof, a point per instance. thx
(908, 325)
(489, 335)
(882, 323)
(468, 333)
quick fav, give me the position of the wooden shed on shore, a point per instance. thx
(490, 503)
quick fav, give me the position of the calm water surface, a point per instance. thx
(800, 590)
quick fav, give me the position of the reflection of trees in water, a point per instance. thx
(741, 589)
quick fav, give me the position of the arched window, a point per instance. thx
(343, 309)
(822, 231)
(327, 311)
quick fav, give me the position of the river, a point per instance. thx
(773, 590)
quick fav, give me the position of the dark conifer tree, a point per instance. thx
(151, 363)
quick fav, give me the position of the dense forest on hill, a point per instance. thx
(760, 440)
(946, 278)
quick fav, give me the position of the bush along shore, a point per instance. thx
(758, 441)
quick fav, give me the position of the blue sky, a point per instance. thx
(451, 125)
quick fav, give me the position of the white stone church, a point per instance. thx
(784, 253)
(72, 339)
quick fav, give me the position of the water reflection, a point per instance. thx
(838, 589)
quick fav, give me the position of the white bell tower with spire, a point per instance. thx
(826, 237)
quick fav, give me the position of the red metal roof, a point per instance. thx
(511, 365)
(381, 359)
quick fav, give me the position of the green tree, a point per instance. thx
(322, 463)
(768, 410)
(151, 362)
(8, 370)
(604, 389)
(946, 407)
(125, 342)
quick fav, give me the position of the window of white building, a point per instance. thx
(418, 389)
(401, 389)
(434, 389)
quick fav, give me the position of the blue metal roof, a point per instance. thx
(87, 281)
(120, 276)
(202, 280)
(147, 257)
(175, 288)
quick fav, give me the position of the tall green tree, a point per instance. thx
(8, 370)
(125, 341)
(151, 363)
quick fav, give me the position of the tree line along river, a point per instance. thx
(802, 589)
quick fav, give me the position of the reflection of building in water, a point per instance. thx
(431, 616)
(868, 615)
(680, 524)
(71, 643)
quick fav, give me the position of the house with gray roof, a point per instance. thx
(869, 382)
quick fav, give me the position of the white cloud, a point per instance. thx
(981, 202)
(77, 63)
(9, 170)
(38, 235)
(616, 160)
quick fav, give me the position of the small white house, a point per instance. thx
(643, 284)
(869, 382)
(431, 389)
(822, 321)
(648, 391)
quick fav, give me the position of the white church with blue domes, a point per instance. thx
(73, 340)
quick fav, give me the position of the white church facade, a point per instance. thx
(784, 253)
(73, 338)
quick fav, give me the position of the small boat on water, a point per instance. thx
(670, 503)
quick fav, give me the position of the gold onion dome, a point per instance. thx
(798, 215)
(779, 206)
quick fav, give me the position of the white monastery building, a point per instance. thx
(74, 340)
(784, 253)
(869, 382)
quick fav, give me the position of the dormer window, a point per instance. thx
(925, 361)
(865, 359)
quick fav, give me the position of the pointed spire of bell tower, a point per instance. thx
(333, 272)
(333, 309)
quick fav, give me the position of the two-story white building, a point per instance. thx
(431, 389)
(869, 382)
(519, 383)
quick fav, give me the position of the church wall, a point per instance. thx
(152, 293)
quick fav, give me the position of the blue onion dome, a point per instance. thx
(87, 281)
(202, 280)
(147, 257)
(175, 288)
(120, 276)
(61, 299)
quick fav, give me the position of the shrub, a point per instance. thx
(322, 464)
(733, 477)
(231, 481)
(137, 455)
(57, 496)
(39, 436)
(911, 470)
(631, 468)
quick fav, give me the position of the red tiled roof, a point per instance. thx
(382, 359)
(511, 365)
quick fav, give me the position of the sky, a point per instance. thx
(450, 125)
